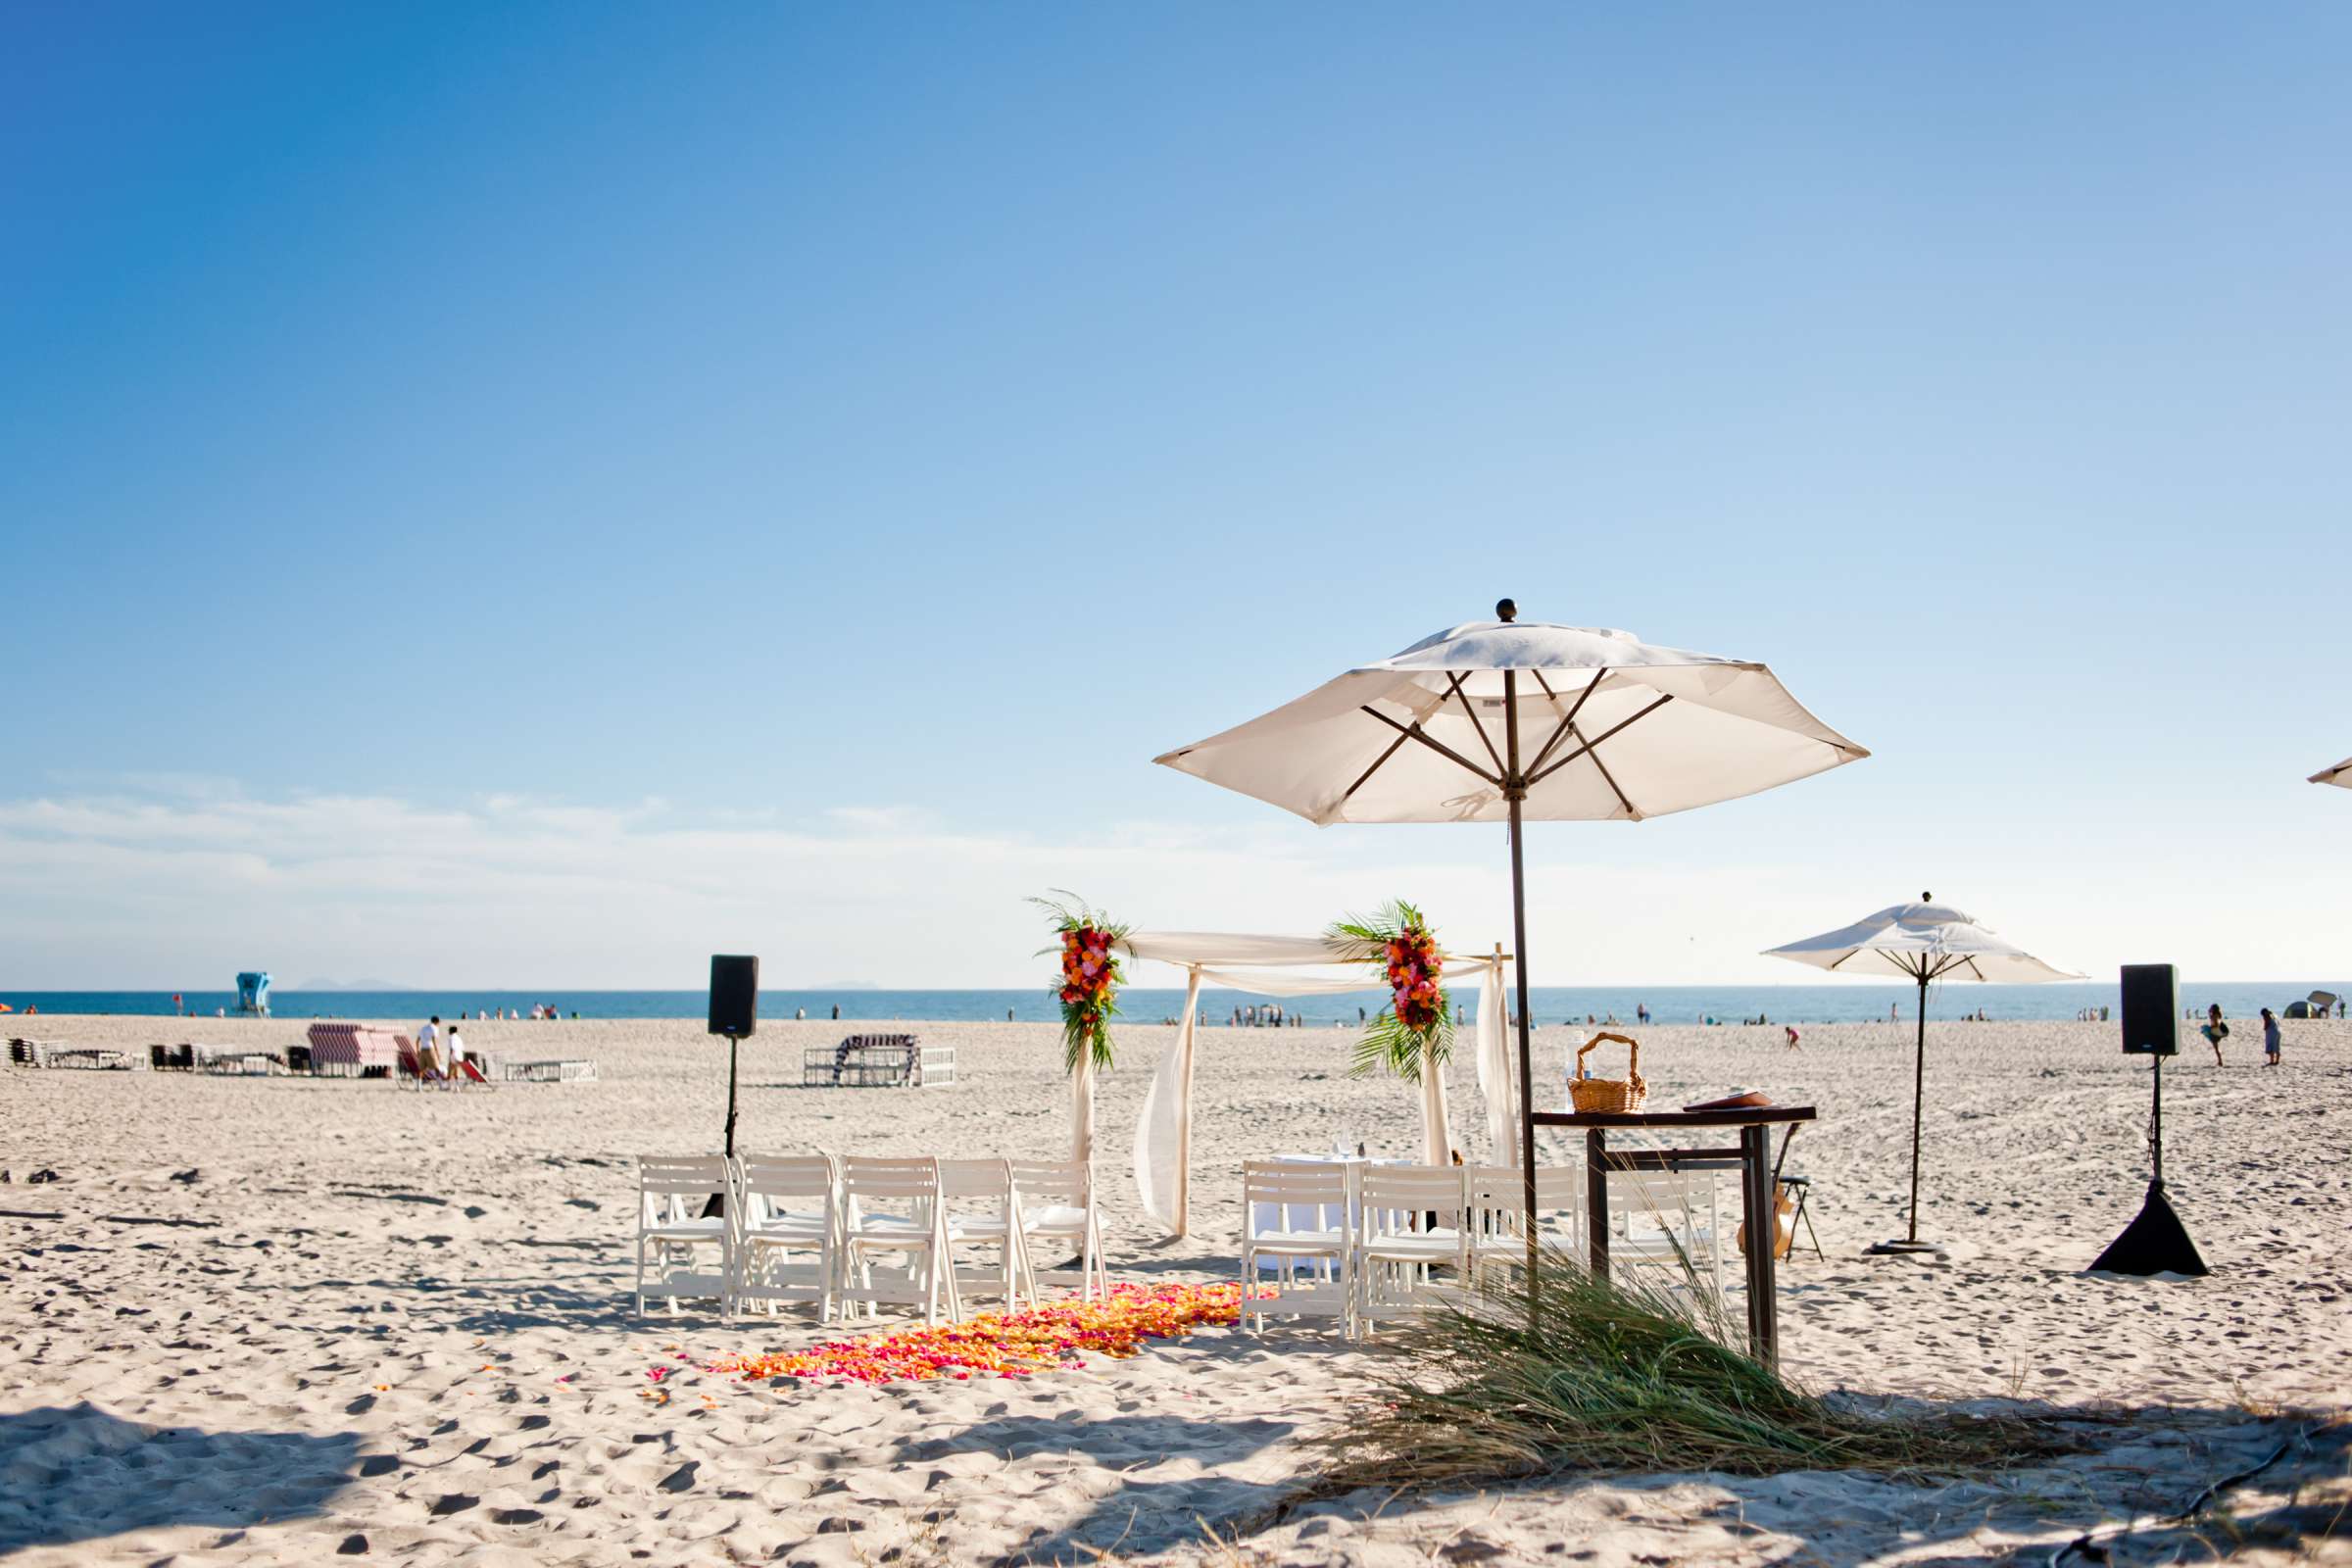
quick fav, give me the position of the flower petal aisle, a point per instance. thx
(1011, 1344)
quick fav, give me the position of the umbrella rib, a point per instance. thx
(1567, 720)
(1414, 732)
(1595, 741)
(1455, 688)
(1611, 779)
(1348, 793)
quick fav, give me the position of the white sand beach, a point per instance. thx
(275, 1319)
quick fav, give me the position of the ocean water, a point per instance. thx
(1790, 1003)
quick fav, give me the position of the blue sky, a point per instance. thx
(532, 495)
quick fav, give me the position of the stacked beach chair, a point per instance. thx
(877, 1062)
(355, 1050)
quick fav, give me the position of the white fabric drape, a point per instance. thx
(1187, 948)
(1436, 1150)
(1270, 983)
(1163, 1130)
(1497, 1076)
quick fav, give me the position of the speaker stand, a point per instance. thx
(2155, 1242)
(717, 1204)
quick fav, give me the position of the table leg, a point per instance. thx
(1755, 1208)
(1597, 1200)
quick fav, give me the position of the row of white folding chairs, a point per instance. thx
(842, 1217)
(1404, 1222)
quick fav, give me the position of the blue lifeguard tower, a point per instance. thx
(253, 993)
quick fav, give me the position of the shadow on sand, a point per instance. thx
(1142, 1516)
(79, 1474)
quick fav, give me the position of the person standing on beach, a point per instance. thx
(455, 1054)
(2215, 1031)
(2269, 1038)
(428, 1042)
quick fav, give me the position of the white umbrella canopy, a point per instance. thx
(1922, 939)
(1922, 942)
(1502, 720)
(2340, 775)
(1611, 728)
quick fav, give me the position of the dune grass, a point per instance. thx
(1614, 1376)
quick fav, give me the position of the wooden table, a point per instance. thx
(1753, 1157)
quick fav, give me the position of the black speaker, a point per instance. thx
(734, 995)
(2151, 1009)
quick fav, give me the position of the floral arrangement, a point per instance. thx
(1089, 988)
(1418, 1020)
(1005, 1344)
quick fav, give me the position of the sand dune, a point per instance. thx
(275, 1319)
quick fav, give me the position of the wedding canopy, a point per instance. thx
(1274, 966)
(2340, 775)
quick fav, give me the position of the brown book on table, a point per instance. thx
(1739, 1102)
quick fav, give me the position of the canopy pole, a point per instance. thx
(1514, 789)
(1082, 1108)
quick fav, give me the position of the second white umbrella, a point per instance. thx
(1922, 942)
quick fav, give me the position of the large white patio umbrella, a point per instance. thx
(2340, 775)
(1502, 721)
(1922, 942)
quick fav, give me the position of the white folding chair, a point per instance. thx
(1495, 1201)
(1296, 1212)
(1412, 1222)
(982, 1210)
(1057, 1203)
(787, 1206)
(891, 1209)
(1655, 1219)
(673, 1233)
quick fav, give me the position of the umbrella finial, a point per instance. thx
(1505, 610)
(1927, 898)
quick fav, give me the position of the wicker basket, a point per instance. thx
(1587, 1093)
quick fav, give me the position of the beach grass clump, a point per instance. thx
(1619, 1377)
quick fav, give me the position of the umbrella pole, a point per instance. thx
(1919, 1080)
(1514, 789)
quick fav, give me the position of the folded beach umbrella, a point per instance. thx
(2340, 775)
(1505, 721)
(1922, 942)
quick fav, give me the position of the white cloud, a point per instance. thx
(159, 889)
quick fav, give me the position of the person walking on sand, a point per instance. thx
(2215, 1031)
(452, 1053)
(428, 1047)
(2269, 1038)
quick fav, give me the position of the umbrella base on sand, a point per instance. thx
(1901, 1248)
